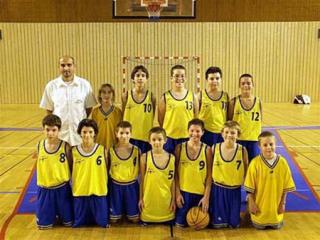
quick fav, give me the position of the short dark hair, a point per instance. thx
(103, 86)
(141, 68)
(51, 120)
(265, 134)
(124, 124)
(247, 75)
(197, 122)
(178, 66)
(212, 70)
(232, 124)
(158, 130)
(88, 123)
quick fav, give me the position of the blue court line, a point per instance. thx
(20, 129)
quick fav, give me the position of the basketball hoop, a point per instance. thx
(154, 8)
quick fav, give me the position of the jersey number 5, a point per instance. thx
(170, 175)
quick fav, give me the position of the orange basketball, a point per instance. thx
(197, 219)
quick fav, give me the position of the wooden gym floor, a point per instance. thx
(19, 134)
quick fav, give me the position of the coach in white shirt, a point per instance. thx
(70, 97)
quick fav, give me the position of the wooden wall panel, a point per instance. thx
(284, 58)
(206, 11)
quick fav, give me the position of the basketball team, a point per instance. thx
(97, 166)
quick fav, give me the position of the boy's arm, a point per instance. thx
(143, 165)
(253, 208)
(154, 104)
(173, 197)
(245, 161)
(178, 196)
(106, 158)
(124, 99)
(195, 106)
(204, 202)
(231, 109)
(69, 156)
(199, 100)
(161, 110)
(282, 204)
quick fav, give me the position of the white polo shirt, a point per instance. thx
(69, 102)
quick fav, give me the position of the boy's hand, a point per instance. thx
(173, 206)
(281, 208)
(204, 202)
(141, 205)
(253, 208)
(179, 200)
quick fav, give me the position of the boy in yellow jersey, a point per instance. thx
(157, 168)
(54, 197)
(230, 161)
(247, 111)
(267, 183)
(213, 103)
(89, 178)
(193, 178)
(176, 108)
(107, 116)
(138, 108)
(124, 161)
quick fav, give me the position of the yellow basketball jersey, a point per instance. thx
(248, 119)
(107, 123)
(89, 175)
(157, 191)
(52, 168)
(213, 112)
(178, 114)
(192, 172)
(268, 183)
(124, 170)
(229, 174)
(140, 115)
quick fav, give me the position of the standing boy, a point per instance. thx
(176, 108)
(267, 182)
(124, 161)
(53, 175)
(247, 111)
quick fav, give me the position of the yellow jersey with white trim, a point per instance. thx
(268, 183)
(248, 119)
(89, 175)
(228, 173)
(140, 115)
(193, 172)
(124, 170)
(52, 167)
(178, 114)
(157, 187)
(213, 112)
(107, 123)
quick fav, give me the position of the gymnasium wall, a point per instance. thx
(283, 57)
(206, 11)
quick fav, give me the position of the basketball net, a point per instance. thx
(154, 10)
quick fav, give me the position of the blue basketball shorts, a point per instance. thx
(142, 145)
(52, 203)
(211, 138)
(90, 210)
(225, 206)
(124, 199)
(171, 144)
(190, 200)
(252, 148)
